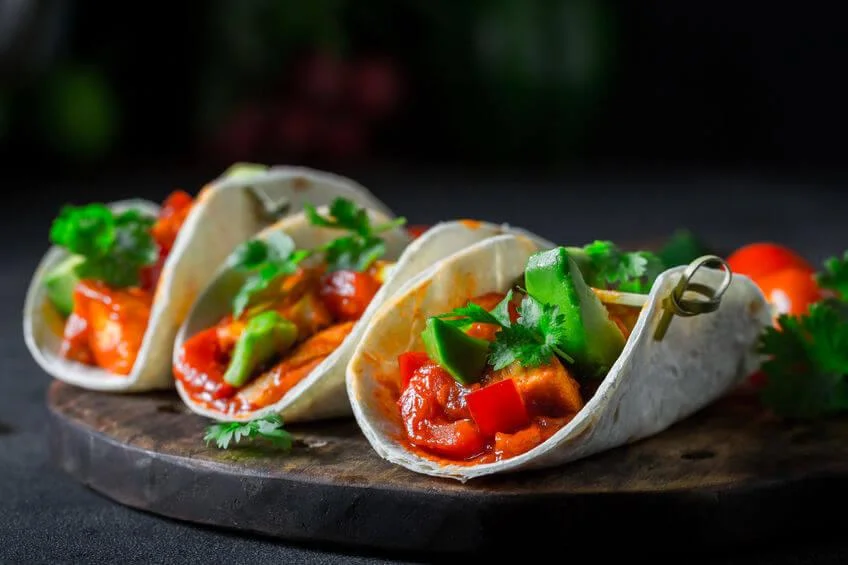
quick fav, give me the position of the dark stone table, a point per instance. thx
(45, 517)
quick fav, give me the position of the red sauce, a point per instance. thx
(438, 424)
(107, 325)
(323, 307)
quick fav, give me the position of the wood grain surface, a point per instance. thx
(729, 475)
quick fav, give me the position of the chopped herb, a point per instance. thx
(358, 250)
(808, 362)
(682, 248)
(269, 428)
(115, 245)
(535, 337)
(268, 260)
(627, 271)
(835, 275)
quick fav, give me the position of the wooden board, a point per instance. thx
(726, 476)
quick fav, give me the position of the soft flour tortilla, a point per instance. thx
(226, 212)
(321, 394)
(652, 385)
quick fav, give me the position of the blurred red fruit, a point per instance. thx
(375, 86)
(344, 139)
(296, 129)
(241, 135)
(320, 78)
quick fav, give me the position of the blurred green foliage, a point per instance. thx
(477, 79)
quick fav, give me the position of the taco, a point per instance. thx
(105, 302)
(508, 355)
(273, 331)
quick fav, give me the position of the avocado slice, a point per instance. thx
(243, 170)
(61, 282)
(264, 336)
(461, 355)
(593, 338)
(583, 262)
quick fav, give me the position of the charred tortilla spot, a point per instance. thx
(300, 184)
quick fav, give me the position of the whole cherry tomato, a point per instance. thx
(791, 290)
(762, 258)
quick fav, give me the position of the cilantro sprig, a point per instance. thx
(362, 246)
(269, 428)
(808, 362)
(835, 275)
(627, 271)
(115, 246)
(535, 337)
(268, 261)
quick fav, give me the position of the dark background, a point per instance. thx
(573, 118)
(532, 85)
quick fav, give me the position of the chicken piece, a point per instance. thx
(308, 313)
(114, 325)
(274, 383)
(548, 390)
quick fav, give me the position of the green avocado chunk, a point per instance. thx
(265, 335)
(243, 170)
(60, 284)
(593, 339)
(583, 262)
(461, 355)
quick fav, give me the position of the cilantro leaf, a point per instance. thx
(627, 271)
(115, 246)
(267, 261)
(358, 250)
(501, 311)
(353, 252)
(517, 343)
(269, 428)
(536, 336)
(682, 248)
(470, 313)
(84, 230)
(835, 275)
(808, 362)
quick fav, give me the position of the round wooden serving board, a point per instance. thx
(728, 475)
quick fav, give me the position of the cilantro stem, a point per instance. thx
(562, 354)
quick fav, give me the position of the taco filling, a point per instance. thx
(104, 290)
(294, 309)
(501, 374)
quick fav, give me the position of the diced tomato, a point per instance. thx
(435, 416)
(173, 213)
(498, 407)
(109, 323)
(410, 362)
(762, 258)
(149, 276)
(791, 290)
(171, 217)
(348, 293)
(416, 230)
(200, 366)
(481, 330)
